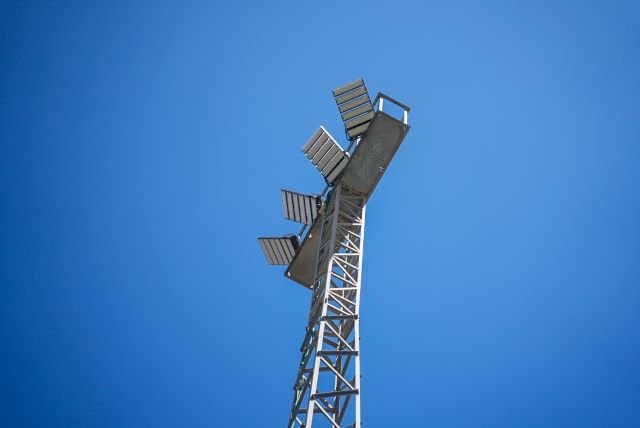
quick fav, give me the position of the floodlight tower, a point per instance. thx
(326, 255)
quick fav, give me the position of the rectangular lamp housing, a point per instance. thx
(325, 154)
(279, 251)
(355, 108)
(300, 207)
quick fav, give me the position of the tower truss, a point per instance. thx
(327, 386)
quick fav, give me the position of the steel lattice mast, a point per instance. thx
(329, 259)
(329, 376)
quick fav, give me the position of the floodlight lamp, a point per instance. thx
(326, 155)
(280, 250)
(355, 108)
(300, 207)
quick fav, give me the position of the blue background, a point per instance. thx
(143, 146)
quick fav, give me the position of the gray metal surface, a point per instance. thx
(353, 103)
(325, 154)
(280, 250)
(374, 153)
(355, 108)
(351, 95)
(302, 267)
(300, 207)
(367, 165)
(348, 87)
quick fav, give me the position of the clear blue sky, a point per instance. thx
(143, 146)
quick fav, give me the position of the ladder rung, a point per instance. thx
(317, 410)
(340, 317)
(334, 393)
(337, 352)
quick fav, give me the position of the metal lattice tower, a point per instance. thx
(329, 374)
(326, 255)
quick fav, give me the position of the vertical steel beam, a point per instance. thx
(327, 387)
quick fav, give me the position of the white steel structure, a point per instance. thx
(329, 375)
(328, 260)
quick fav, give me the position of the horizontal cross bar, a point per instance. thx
(340, 317)
(335, 393)
(337, 352)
